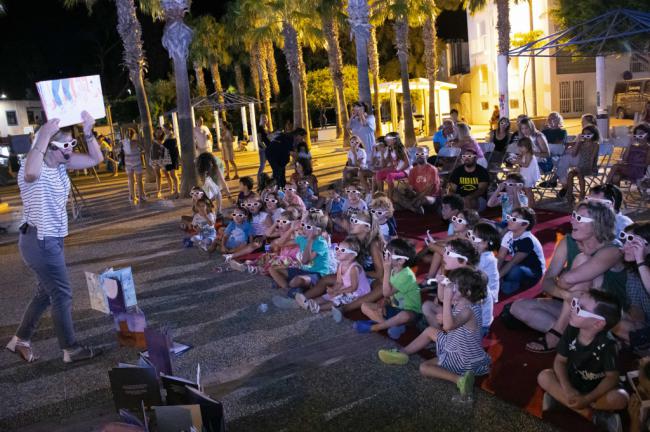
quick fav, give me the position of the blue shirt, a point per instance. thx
(238, 234)
(440, 138)
(320, 263)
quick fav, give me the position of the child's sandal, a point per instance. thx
(541, 341)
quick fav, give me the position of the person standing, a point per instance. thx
(362, 124)
(263, 142)
(227, 150)
(172, 164)
(279, 150)
(202, 137)
(44, 187)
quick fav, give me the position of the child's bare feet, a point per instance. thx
(237, 266)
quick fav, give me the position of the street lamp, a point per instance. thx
(3, 96)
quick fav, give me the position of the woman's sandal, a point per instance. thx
(541, 341)
(23, 349)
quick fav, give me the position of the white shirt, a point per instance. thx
(359, 158)
(488, 264)
(622, 222)
(44, 201)
(202, 139)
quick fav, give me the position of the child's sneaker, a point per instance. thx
(393, 356)
(363, 326)
(396, 332)
(606, 420)
(188, 243)
(301, 300)
(337, 314)
(313, 306)
(293, 292)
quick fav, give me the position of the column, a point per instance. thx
(217, 129)
(251, 109)
(244, 122)
(393, 111)
(502, 72)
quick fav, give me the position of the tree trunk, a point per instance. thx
(239, 79)
(358, 19)
(272, 68)
(130, 32)
(503, 29)
(331, 31)
(429, 36)
(263, 74)
(176, 40)
(401, 42)
(216, 81)
(305, 105)
(373, 58)
(200, 80)
(254, 62)
(291, 49)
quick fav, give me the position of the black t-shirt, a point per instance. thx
(468, 182)
(555, 136)
(500, 144)
(587, 365)
(170, 145)
(279, 149)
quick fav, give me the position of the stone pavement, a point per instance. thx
(280, 370)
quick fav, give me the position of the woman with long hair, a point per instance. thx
(540, 145)
(209, 166)
(227, 150)
(398, 163)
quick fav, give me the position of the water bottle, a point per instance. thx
(262, 308)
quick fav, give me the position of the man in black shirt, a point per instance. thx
(279, 150)
(470, 181)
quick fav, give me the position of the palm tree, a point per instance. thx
(330, 15)
(272, 68)
(373, 58)
(176, 39)
(135, 62)
(360, 30)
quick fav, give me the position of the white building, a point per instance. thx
(563, 84)
(18, 117)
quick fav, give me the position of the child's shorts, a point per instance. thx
(391, 311)
(292, 272)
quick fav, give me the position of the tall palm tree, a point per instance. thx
(272, 68)
(373, 58)
(239, 78)
(358, 17)
(135, 62)
(176, 39)
(330, 13)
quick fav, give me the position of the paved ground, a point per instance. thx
(282, 370)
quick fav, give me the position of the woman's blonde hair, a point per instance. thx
(560, 122)
(374, 233)
(604, 220)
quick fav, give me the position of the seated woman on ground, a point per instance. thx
(527, 264)
(635, 159)
(509, 195)
(464, 222)
(580, 160)
(381, 210)
(587, 258)
(459, 353)
(351, 282)
(365, 230)
(283, 248)
(401, 303)
(636, 254)
(459, 253)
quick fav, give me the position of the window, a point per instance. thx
(514, 103)
(565, 97)
(485, 106)
(639, 63)
(30, 117)
(12, 118)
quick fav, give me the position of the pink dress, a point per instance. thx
(363, 286)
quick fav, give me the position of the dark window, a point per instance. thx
(621, 87)
(30, 117)
(634, 87)
(12, 118)
(647, 87)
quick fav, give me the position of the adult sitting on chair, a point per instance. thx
(580, 160)
(470, 181)
(423, 184)
(587, 258)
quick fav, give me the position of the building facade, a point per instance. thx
(18, 117)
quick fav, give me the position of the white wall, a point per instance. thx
(20, 107)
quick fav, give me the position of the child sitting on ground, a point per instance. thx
(460, 355)
(527, 264)
(487, 240)
(334, 203)
(584, 375)
(381, 209)
(314, 256)
(272, 207)
(186, 221)
(351, 281)
(245, 190)
(259, 223)
(307, 194)
(291, 197)
(509, 195)
(203, 223)
(462, 223)
(399, 287)
(237, 234)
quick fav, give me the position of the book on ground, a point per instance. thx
(211, 410)
(132, 386)
(176, 389)
(178, 418)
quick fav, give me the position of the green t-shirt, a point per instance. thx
(407, 291)
(320, 263)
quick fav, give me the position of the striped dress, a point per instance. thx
(44, 201)
(459, 350)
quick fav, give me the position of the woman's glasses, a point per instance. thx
(586, 136)
(580, 219)
(345, 250)
(458, 220)
(626, 237)
(64, 145)
(270, 200)
(356, 221)
(516, 219)
(575, 305)
(472, 237)
(238, 215)
(452, 254)
(378, 212)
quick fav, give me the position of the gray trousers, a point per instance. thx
(46, 259)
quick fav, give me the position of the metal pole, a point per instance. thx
(193, 118)
(601, 104)
(217, 128)
(251, 109)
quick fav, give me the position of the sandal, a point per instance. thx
(541, 341)
(221, 269)
(23, 349)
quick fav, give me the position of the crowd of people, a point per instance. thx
(339, 250)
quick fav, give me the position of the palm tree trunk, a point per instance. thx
(254, 62)
(373, 58)
(176, 40)
(291, 50)
(429, 35)
(401, 42)
(130, 32)
(358, 18)
(331, 31)
(200, 80)
(239, 79)
(272, 68)
(263, 74)
(216, 80)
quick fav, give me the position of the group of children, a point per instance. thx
(341, 252)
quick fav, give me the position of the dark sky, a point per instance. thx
(42, 40)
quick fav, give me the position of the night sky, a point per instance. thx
(43, 40)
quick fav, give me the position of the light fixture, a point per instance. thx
(3, 96)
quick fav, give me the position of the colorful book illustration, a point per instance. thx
(111, 291)
(65, 99)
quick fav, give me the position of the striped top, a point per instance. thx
(44, 201)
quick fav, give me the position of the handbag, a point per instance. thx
(167, 157)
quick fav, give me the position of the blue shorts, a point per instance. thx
(292, 272)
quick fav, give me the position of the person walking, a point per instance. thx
(44, 187)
